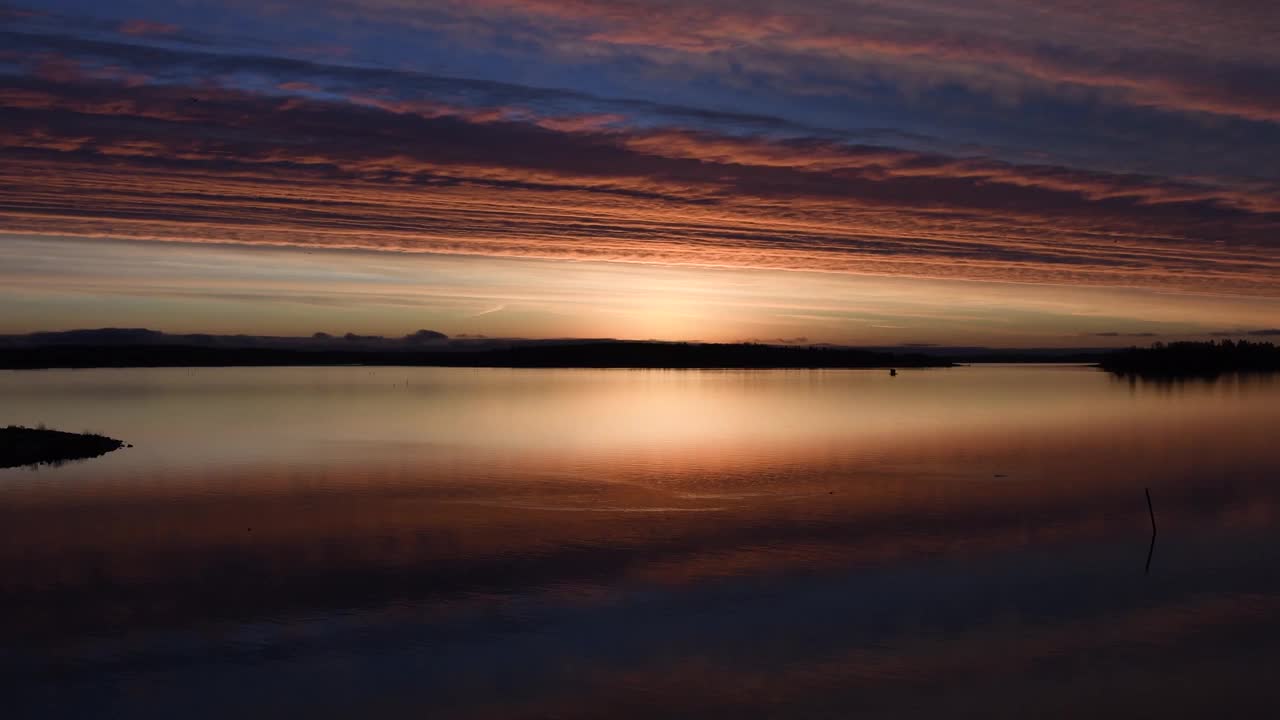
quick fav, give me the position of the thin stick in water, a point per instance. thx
(1151, 512)
(1152, 548)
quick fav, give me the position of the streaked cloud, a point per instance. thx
(146, 27)
(221, 164)
(490, 311)
(1263, 333)
(1117, 148)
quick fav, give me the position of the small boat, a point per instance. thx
(893, 372)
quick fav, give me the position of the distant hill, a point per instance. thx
(142, 337)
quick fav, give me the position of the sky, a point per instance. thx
(991, 172)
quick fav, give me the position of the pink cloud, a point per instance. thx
(139, 28)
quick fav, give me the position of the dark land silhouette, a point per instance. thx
(595, 354)
(1195, 359)
(141, 347)
(37, 446)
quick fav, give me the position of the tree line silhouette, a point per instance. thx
(1195, 358)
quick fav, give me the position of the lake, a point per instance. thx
(489, 543)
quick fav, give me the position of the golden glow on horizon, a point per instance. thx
(173, 287)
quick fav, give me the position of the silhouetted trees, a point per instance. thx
(1195, 358)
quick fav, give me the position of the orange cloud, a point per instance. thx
(1139, 54)
(147, 27)
(232, 166)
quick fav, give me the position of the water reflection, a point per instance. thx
(576, 543)
(1225, 382)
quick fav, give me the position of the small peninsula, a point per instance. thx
(21, 446)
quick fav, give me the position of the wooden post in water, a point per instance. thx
(1151, 512)
(1152, 548)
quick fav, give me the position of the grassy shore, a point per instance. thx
(37, 446)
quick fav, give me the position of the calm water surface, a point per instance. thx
(429, 542)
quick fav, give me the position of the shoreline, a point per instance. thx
(629, 355)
